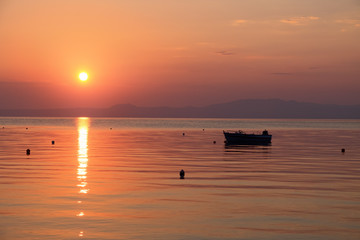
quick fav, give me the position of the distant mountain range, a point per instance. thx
(251, 108)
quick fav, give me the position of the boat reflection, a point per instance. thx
(250, 147)
(83, 126)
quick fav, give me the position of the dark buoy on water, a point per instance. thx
(214, 142)
(27, 151)
(26, 128)
(110, 128)
(343, 150)
(182, 174)
(183, 134)
(53, 142)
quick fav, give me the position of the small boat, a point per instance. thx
(240, 137)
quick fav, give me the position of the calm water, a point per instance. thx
(119, 179)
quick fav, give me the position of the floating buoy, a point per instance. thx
(183, 134)
(26, 128)
(214, 142)
(53, 142)
(182, 174)
(203, 129)
(27, 151)
(343, 150)
(110, 128)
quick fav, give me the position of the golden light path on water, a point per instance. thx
(83, 125)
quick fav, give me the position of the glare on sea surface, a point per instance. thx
(82, 155)
(83, 125)
(80, 214)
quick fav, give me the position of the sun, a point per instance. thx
(83, 76)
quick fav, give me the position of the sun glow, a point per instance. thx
(83, 76)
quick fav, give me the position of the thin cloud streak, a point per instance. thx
(299, 20)
(349, 22)
(225, 53)
(239, 22)
(302, 20)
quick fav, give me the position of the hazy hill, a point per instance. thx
(254, 108)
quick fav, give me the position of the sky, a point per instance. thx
(177, 53)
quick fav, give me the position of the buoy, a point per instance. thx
(183, 134)
(53, 142)
(214, 142)
(203, 129)
(182, 174)
(110, 128)
(343, 150)
(26, 128)
(27, 151)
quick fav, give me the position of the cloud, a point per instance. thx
(299, 20)
(349, 22)
(239, 22)
(225, 53)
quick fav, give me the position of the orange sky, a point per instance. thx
(177, 53)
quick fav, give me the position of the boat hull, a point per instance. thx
(247, 139)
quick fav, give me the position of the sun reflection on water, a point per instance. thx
(83, 124)
(82, 156)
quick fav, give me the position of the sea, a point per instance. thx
(118, 178)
